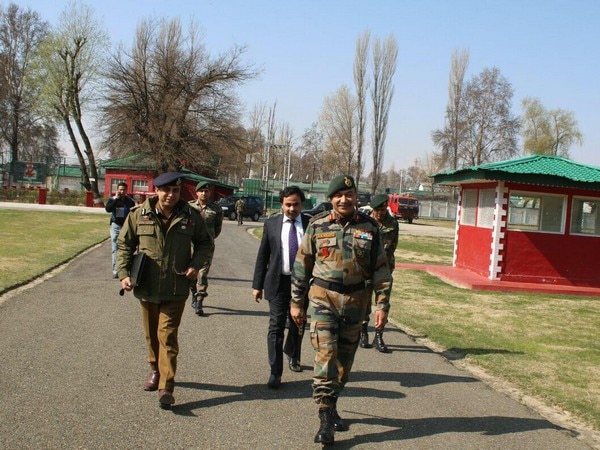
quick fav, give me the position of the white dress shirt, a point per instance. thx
(285, 245)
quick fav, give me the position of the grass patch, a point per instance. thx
(34, 242)
(546, 345)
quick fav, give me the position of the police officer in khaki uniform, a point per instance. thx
(164, 228)
(213, 217)
(341, 253)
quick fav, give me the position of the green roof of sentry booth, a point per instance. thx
(545, 170)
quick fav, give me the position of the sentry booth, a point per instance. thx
(533, 219)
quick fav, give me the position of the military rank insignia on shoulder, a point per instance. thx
(321, 215)
(362, 217)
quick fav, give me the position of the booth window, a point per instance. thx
(468, 209)
(485, 211)
(477, 207)
(585, 216)
(528, 211)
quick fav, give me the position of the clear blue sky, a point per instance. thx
(549, 49)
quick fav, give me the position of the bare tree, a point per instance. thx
(170, 101)
(548, 132)
(449, 138)
(256, 137)
(565, 132)
(491, 129)
(361, 83)
(384, 67)
(338, 122)
(73, 56)
(535, 127)
(312, 157)
(21, 32)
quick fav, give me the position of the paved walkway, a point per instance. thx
(73, 364)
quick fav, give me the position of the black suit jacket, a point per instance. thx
(268, 261)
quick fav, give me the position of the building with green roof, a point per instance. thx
(531, 219)
(138, 172)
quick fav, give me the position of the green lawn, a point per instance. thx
(34, 242)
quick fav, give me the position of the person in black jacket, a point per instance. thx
(119, 207)
(282, 234)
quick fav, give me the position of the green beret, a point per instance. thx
(341, 182)
(379, 200)
(202, 185)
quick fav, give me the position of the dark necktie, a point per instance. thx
(293, 243)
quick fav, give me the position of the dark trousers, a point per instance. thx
(279, 311)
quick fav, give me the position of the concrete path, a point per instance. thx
(73, 364)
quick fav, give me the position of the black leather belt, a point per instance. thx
(339, 287)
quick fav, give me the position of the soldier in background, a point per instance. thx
(213, 217)
(388, 230)
(239, 209)
(341, 253)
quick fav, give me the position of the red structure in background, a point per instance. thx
(139, 175)
(534, 219)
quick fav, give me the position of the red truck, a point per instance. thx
(404, 207)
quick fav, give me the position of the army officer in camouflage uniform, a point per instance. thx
(388, 230)
(164, 228)
(340, 263)
(213, 217)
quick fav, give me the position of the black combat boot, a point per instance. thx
(339, 424)
(326, 432)
(378, 342)
(199, 296)
(364, 336)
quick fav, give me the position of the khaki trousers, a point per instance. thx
(161, 323)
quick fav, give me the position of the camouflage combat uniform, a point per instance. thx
(239, 209)
(388, 231)
(213, 217)
(347, 261)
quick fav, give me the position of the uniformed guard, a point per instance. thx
(388, 231)
(239, 210)
(341, 253)
(164, 228)
(213, 217)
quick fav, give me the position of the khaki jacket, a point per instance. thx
(168, 254)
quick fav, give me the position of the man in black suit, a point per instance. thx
(281, 236)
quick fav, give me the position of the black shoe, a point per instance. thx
(339, 424)
(294, 365)
(378, 342)
(326, 432)
(274, 381)
(364, 341)
(115, 276)
(199, 309)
